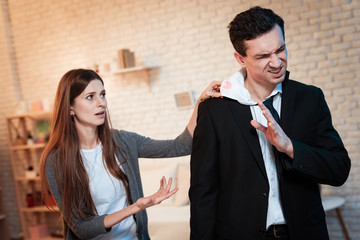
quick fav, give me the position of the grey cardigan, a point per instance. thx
(136, 146)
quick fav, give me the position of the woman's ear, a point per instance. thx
(72, 113)
(239, 59)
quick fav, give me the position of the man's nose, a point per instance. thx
(275, 61)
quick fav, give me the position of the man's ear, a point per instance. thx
(239, 59)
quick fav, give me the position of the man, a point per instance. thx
(251, 176)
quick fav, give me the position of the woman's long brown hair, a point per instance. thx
(68, 166)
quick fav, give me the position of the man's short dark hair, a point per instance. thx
(251, 24)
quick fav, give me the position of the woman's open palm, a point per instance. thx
(162, 194)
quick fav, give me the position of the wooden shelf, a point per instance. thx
(39, 209)
(34, 116)
(146, 69)
(134, 69)
(48, 238)
(28, 147)
(19, 126)
(27, 179)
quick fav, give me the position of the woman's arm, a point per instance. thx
(142, 203)
(145, 147)
(213, 90)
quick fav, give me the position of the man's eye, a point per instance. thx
(280, 50)
(263, 56)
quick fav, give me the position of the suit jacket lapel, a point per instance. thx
(287, 106)
(243, 116)
(287, 109)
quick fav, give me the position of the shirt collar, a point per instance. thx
(234, 88)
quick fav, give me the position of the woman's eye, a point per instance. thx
(89, 97)
(102, 95)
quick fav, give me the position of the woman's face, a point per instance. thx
(89, 107)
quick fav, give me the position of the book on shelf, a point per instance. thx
(121, 62)
(126, 58)
(129, 58)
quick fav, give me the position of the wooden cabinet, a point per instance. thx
(27, 136)
(4, 230)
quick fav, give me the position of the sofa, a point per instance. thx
(170, 219)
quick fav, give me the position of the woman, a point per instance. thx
(92, 170)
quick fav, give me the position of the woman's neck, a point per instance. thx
(88, 138)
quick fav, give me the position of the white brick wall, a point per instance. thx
(7, 100)
(188, 40)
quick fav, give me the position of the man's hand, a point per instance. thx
(274, 132)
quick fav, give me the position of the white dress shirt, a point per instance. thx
(275, 213)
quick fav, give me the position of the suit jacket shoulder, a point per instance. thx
(299, 87)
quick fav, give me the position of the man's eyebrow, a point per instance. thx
(263, 55)
(282, 47)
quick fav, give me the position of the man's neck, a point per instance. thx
(258, 92)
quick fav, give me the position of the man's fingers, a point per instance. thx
(258, 126)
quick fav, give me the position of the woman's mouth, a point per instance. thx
(100, 113)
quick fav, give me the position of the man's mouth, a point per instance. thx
(276, 71)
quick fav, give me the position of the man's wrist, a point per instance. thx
(290, 149)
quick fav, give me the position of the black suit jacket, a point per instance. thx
(229, 187)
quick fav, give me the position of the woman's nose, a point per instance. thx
(101, 102)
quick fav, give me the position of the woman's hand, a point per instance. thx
(162, 194)
(213, 90)
(142, 203)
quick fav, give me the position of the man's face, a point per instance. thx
(266, 59)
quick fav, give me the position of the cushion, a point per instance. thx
(183, 183)
(152, 171)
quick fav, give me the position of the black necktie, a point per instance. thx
(269, 104)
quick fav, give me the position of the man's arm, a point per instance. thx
(204, 178)
(326, 162)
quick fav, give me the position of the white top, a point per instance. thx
(330, 203)
(108, 194)
(234, 88)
